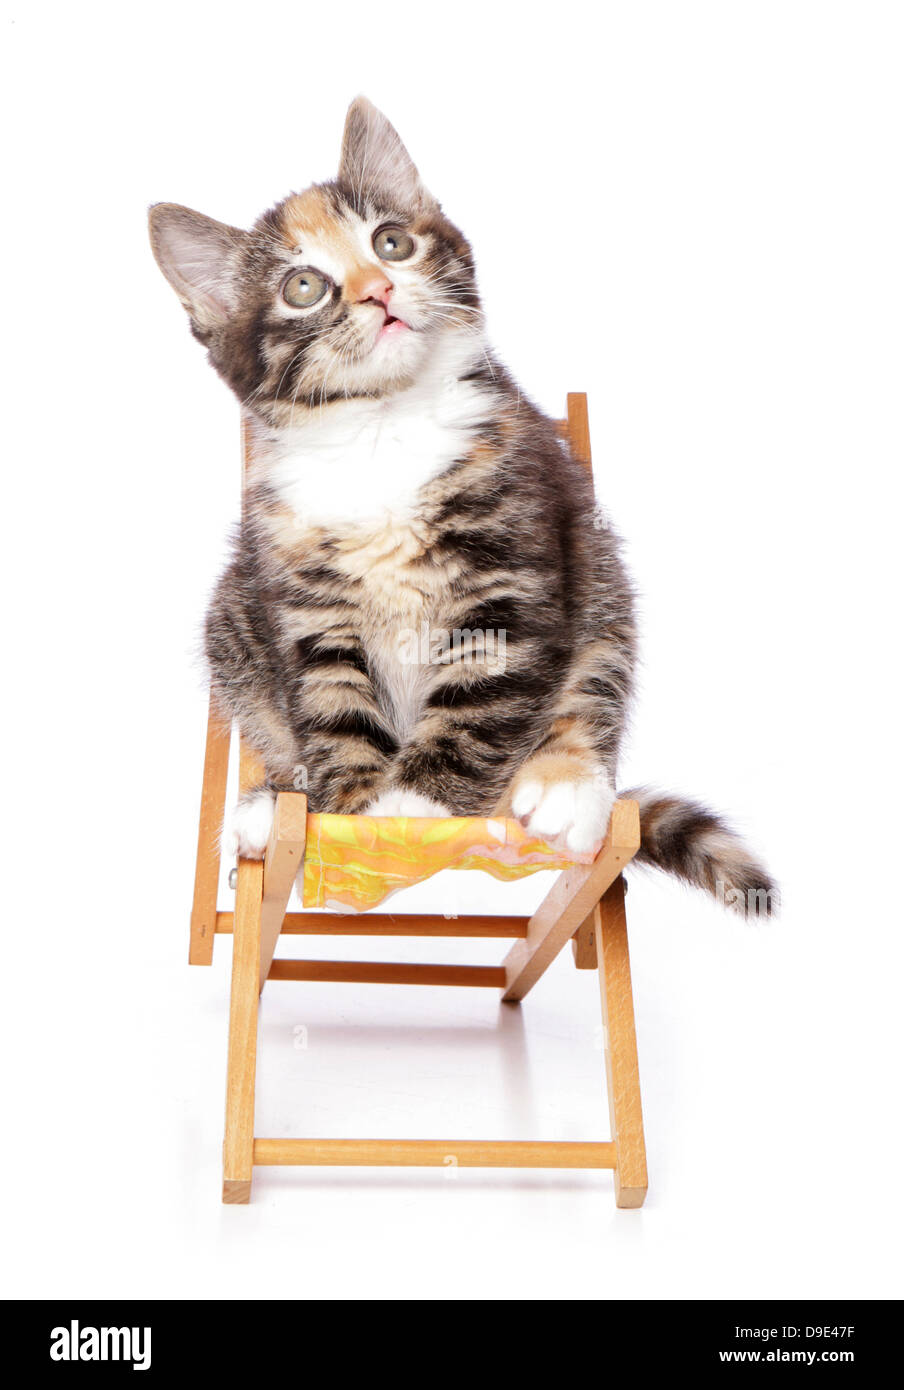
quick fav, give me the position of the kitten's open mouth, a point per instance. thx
(391, 327)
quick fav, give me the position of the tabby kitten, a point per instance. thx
(424, 614)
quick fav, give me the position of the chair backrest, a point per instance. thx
(576, 428)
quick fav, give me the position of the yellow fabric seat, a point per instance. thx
(354, 863)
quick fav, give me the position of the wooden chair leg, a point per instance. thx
(573, 895)
(238, 1146)
(283, 858)
(244, 1000)
(611, 934)
(207, 864)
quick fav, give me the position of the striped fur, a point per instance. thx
(696, 845)
(423, 612)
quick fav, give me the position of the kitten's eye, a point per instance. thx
(393, 244)
(305, 288)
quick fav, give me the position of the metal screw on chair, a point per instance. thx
(233, 877)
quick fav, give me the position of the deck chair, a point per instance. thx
(586, 906)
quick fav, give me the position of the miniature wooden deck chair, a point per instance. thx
(586, 905)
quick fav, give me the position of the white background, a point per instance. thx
(694, 213)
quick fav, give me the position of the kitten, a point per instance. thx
(423, 615)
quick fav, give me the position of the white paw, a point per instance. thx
(576, 813)
(252, 821)
(398, 802)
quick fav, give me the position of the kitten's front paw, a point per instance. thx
(399, 802)
(252, 821)
(574, 811)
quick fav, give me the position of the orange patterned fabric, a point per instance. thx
(353, 863)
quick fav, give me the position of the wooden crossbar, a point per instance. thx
(384, 924)
(423, 1153)
(585, 905)
(364, 972)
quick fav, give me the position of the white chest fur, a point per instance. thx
(358, 462)
(354, 470)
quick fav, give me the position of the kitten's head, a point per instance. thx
(344, 290)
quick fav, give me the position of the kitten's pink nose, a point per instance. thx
(373, 287)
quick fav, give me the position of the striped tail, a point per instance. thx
(685, 839)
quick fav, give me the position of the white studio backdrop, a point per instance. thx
(692, 212)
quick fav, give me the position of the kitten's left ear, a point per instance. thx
(375, 160)
(196, 254)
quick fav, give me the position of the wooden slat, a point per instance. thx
(366, 972)
(384, 924)
(421, 1153)
(207, 863)
(569, 901)
(579, 427)
(611, 932)
(283, 859)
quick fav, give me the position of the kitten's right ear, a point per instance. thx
(197, 256)
(375, 160)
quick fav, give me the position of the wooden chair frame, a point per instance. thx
(586, 905)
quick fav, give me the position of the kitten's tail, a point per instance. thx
(685, 839)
